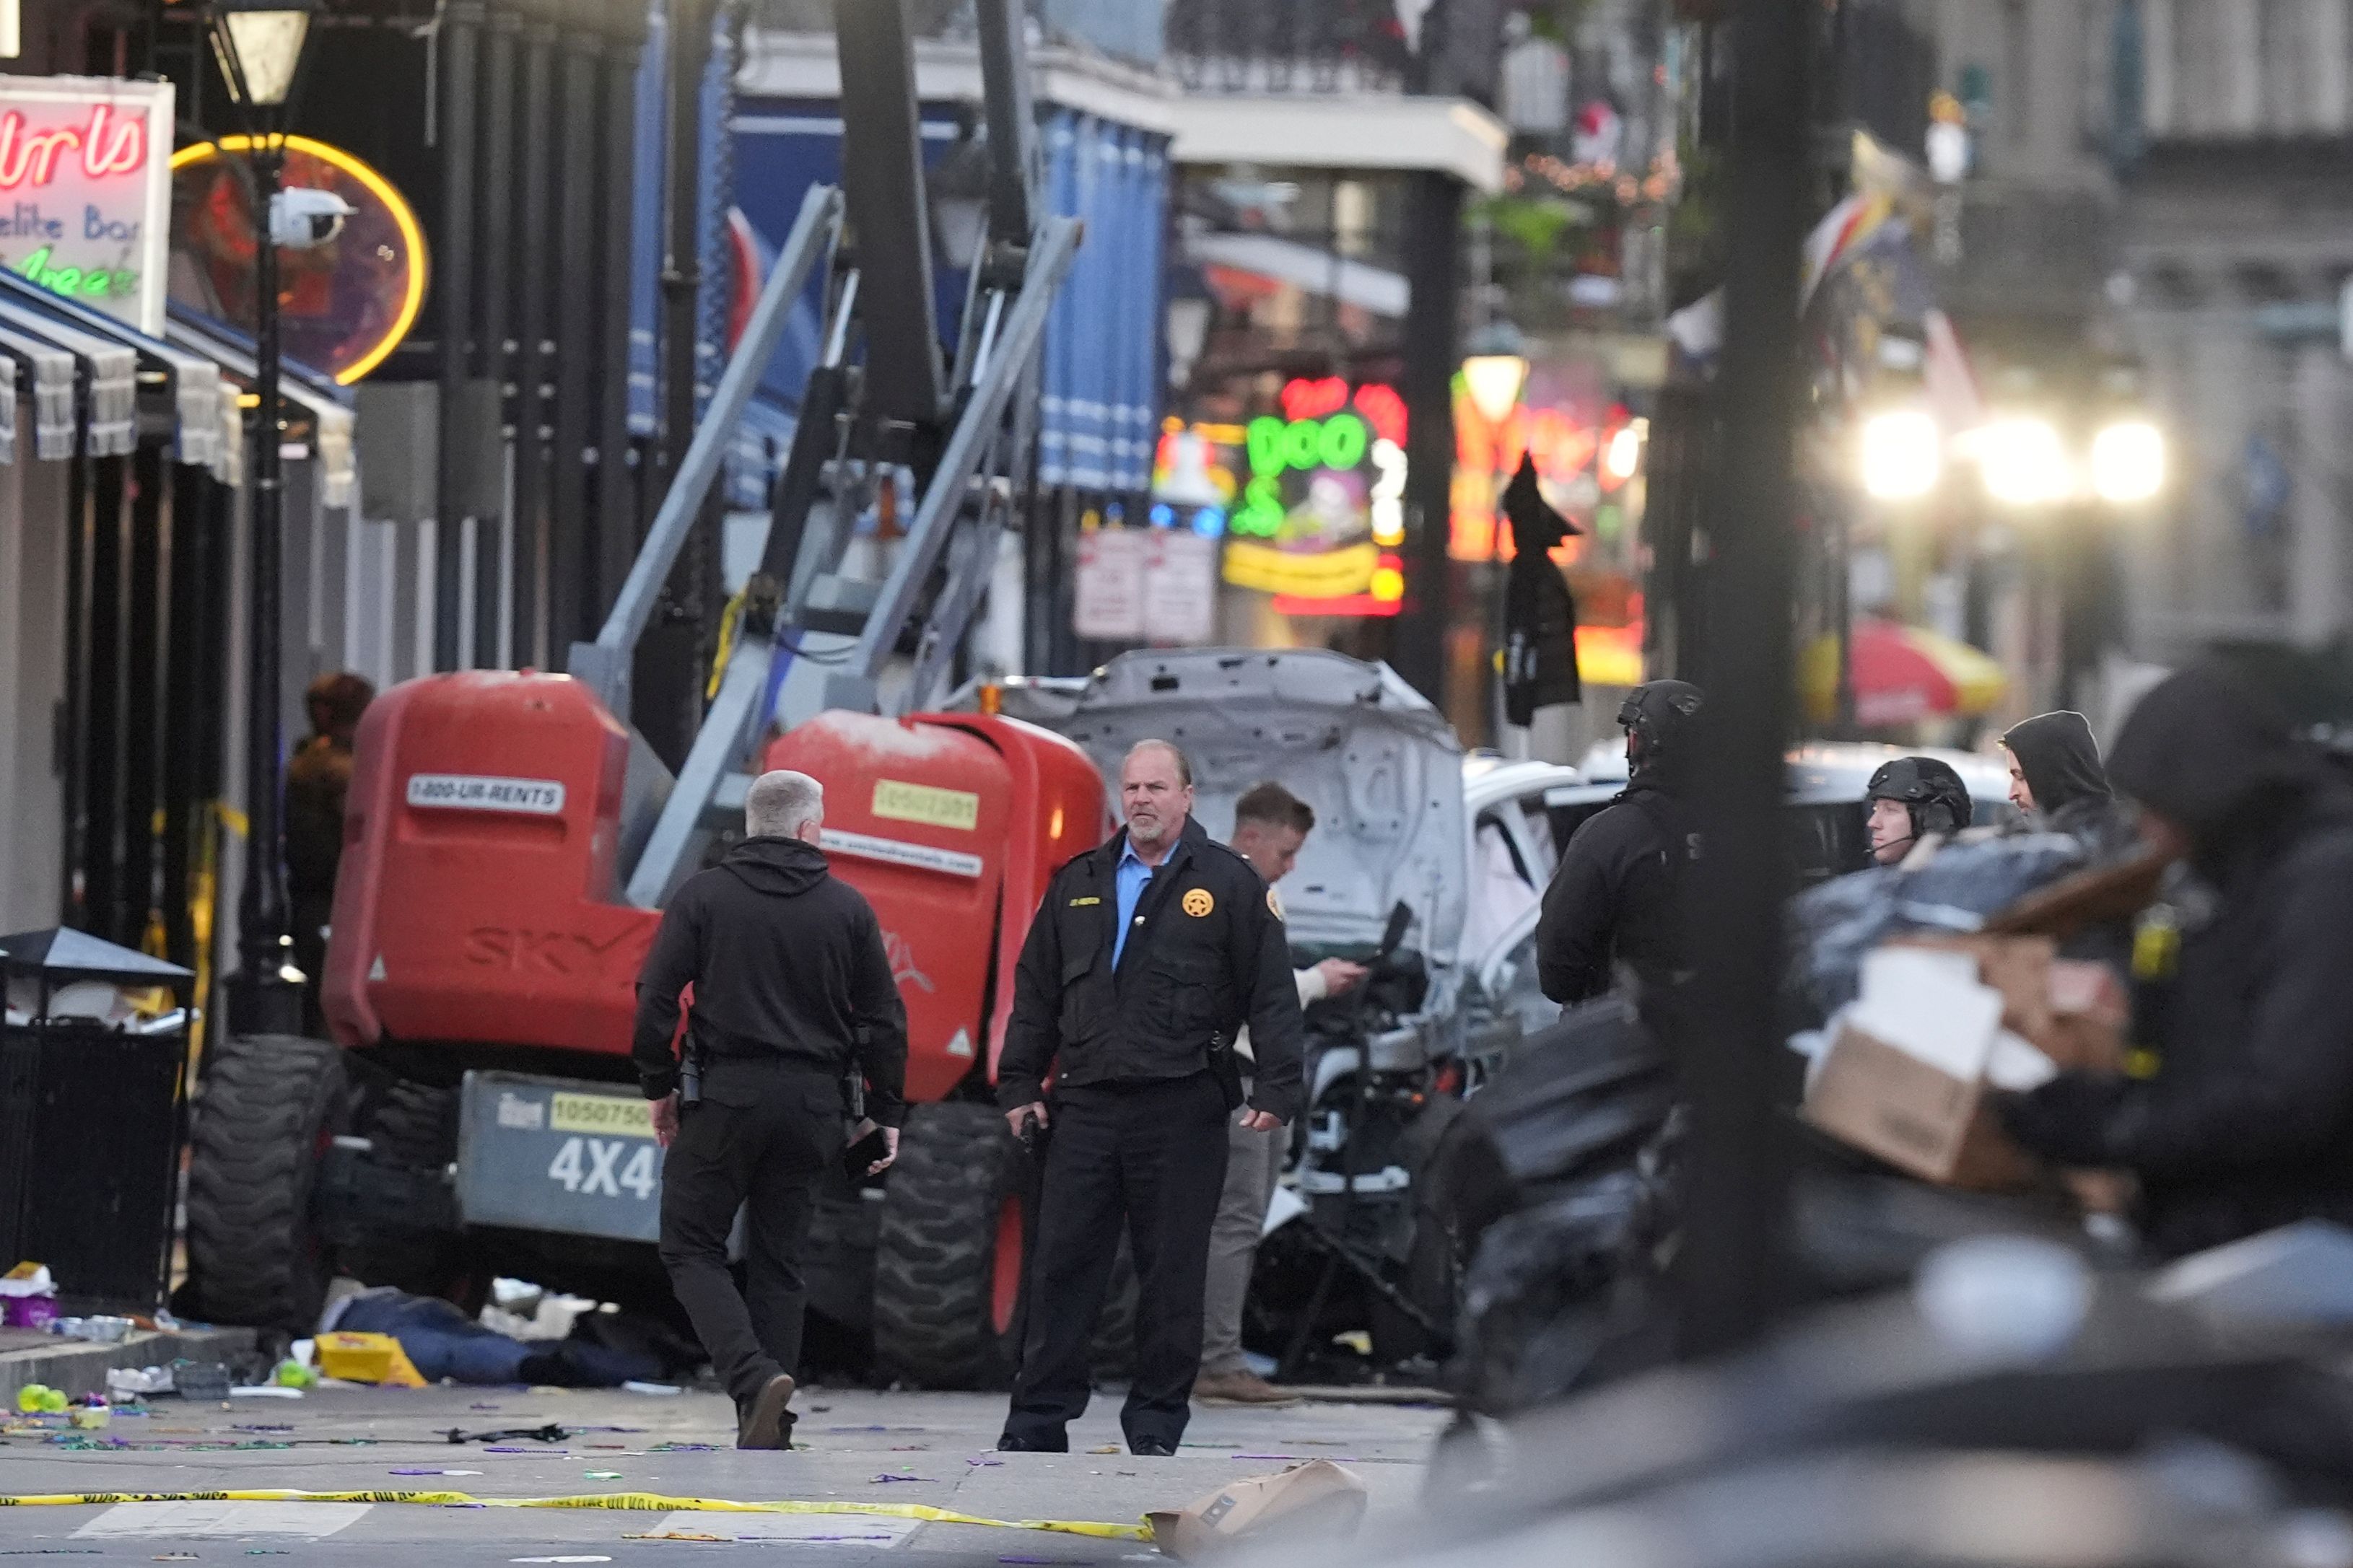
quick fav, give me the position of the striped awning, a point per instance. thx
(329, 406)
(183, 389)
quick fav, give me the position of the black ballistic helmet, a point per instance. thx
(1932, 793)
(1656, 713)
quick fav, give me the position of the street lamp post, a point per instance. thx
(259, 44)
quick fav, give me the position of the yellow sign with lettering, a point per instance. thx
(907, 802)
(603, 1113)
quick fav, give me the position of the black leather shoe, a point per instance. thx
(1009, 1443)
(768, 1423)
(1151, 1448)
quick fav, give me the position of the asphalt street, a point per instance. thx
(859, 1447)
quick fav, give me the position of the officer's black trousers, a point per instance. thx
(762, 1137)
(1151, 1155)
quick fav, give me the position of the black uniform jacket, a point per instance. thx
(788, 961)
(1613, 899)
(1204, 955)
(2248, 1121)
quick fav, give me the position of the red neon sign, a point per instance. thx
(30, 157)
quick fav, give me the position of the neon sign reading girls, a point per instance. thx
(85, 189)
(107, 144)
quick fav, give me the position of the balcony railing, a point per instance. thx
(1287, 46)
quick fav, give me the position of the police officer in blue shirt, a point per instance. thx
(1146, 958)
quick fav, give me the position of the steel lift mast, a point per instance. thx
(812, 636)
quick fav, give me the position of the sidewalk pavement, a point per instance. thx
(859, 1446)
(79, 1367)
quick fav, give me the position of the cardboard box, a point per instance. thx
(1913, 1114)
(2017, 966)
(2090, 1012)
(1316, 1502)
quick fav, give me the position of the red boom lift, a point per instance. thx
(510, 840)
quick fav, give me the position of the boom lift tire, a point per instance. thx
(413, 1127)
(947, 1258)
(267, 1115)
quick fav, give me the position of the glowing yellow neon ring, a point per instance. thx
(412, 233)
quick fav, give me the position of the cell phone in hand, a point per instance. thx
(864, 1154)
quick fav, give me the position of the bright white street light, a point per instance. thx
(2023, 462)
(1903, 455)
(2127, 462)
(1624, 453)
(1494, 369)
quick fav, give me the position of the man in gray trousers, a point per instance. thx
(1270, 825)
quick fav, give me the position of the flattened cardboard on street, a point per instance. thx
(1317, 1500)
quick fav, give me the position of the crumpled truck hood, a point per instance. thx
(1379, 765)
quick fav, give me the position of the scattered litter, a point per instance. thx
(887, 1477)
(542, 1453)
(551, 1433)
(129, 1380)
(40, 1399)
(97, 1331)
(261, 1427)
(659, 1390)
(910, 1447)
(601, 1475)
(1106, 1448)
(822, 1409)
(983, 1462)
(266, 1552)
(559, 1560)
(482, 1407)
(176, 1557)
(265, 1391)
(1314, 1501)
(200, 1380)
(684, 1448)
(430, 1470)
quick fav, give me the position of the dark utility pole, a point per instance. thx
(458, 47)
(689, 42)
(268, 994)
(1726, 1041)
(1432, 349)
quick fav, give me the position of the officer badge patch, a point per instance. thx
(1197, 903)
(1274, 904)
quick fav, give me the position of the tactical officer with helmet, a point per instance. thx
(1910, 798)
(1147, 957)
(1612, 903)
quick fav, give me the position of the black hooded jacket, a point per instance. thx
(1613, 899)
(2062, 764)
(2248, 1122)
(786, 961)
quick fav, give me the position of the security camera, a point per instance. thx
(301, 218)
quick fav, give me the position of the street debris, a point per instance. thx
(1316, 1500)
(550, 1433)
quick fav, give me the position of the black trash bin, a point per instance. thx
(93, 1118)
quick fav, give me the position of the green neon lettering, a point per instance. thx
(1342, 446)
(1265, 439)
(1301, 441)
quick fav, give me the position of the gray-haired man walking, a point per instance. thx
(792, 991)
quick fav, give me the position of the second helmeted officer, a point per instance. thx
(1147, 957)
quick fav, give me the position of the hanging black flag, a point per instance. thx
(1540, 612)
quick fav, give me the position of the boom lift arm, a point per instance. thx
(813, 635)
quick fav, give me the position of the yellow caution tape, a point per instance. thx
(641, 1502)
